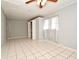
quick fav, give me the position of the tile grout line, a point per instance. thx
(44, 53)
(29, 49)
(22, 49)
(71, 55)
(38, 52)
(15, 49)
(8, 48)
(30, 45)
(62, 55)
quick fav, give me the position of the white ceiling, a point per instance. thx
(18, 10)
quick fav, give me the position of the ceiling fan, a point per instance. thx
(41, 3)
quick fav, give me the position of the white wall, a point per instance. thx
(3, 28)
(29, 30)
(67, 33)
(68, 27)
(16, 29)
(33, 29)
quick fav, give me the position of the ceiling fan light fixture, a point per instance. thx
(43, 2)
(40, 3)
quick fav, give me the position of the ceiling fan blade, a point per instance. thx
(29, 1)
(53, 0)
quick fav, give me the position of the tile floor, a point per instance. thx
(35, 49)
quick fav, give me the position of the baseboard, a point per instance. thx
(21, 37)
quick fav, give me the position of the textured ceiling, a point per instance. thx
(18, 10)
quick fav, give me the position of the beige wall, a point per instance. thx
(3, 28)
(16, 29)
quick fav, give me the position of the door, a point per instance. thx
(31, 29)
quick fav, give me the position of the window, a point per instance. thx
(46, 24)
(51, 24)
(54, 23)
